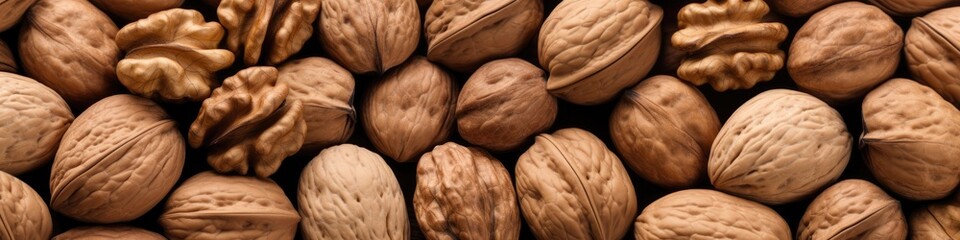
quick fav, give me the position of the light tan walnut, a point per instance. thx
(172, 56)
(709, 214)
(34, 119)
(135, 9)
(13, 10)
(369, 36)
(248, 123)
(936, 220)
(23, 214)
(326, 91)
(933, 52)
(800, 8)
(910, 7)
(853, 209)
(7, 62)
(267, 31)
(108, 233)
(727, 45)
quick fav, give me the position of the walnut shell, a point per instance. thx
(800, 8)
(369, 36)
(34, 120)
(727, 45)
(779, 147)
(588, 67)
(932, 48)
(213, 206)
(108, 233)
(68, 46)
(119, 159)
(410, 109)
(136, 9)
(248, 122)
(464, 193)
(663, 129)
(13, 11)
(348, 192)
(910, 140)
(703, 214)
(23, 214)
(326, 91)
(571, 186)
(267, 31)
(503, 104)
(939, 220)
(172, 56)
(910, 7)
(845, 50)
(7, 62)
(463, 34)
(853, 209)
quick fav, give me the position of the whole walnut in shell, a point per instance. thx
(910, 140)
(464, 193)
(326, 91)
(910, 7)
(348, 192)
(267, 31)
(708, 214)
(464, 34)
(213, 206)
(938, 220)
(7, 62)
(369, 36)
(845, 50)
(34, 120)
(68, 46)
(800, 8)
(13, 11)
(23, 214)
(727, 45)
(663, 128)
(932, 48)
(853, 209)
(108, 233)
(778, 147)
(117, 161)
(136, 9)
(410, 109)
(172, 55)
(503, 104)
(571, 186)
(588, 66)
(248, 123)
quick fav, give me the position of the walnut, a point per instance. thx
(13, 11)
(108, 232)
(326, 91)
(369, 35)
(464, 34)
(588, 66)
(800, 8)
(68, 46)
(267, 31)
(932, 49)
(937, 220)
(348, 192)
(465, 193)
(503, 104)
(910, 7)
(7, 61)
(248, 122)
(727, 45)
(172, 55)
(708, 214)
(35, 118)
(24, 213)
(136, 9)
(117, 161)
(213, 206)
(853, 209)
(410, 109)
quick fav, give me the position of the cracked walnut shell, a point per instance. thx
(107, 233)
(727, 45)
(7, 62)
(705, 214)
(853, 209)
(933, 50)
(13, 11)
(136, 9)
(34, 120)
(117, 160)
(588, 66)
(369, 36)
(937, 220)
(213, 206)
(267, 31)
(23, 214)
(465, 193)
(248, 123)
(326, 91)
(571, 186)
(172, 56)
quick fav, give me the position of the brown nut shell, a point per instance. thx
(937, 220)
(590, 68)
(267, 31)
(503, 104)
(8, 62)
(369, 36)
(108, 233)
(326, 91)
(571, 186)
(213, 206)
(348, 192)
(910, 7)
(136, 9)
(910, 140)
(13, 11)
(800, 8)
(932, 48)
(117, 161)
(465, 193)
(853, 209)
(778, 147)
(663, 129)
(23, 214)
(34, 119)
(702, 213)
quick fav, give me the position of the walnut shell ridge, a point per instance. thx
(936, 220)
(8, 62)
(910, 7)
(267, 31)
(35, 118)
(13, 11)
(107, 233)
(326, 91)
(172, 56)
(853, 209)
(136, 9)
(23, 214)
(369, 36)
(932, 47)
(249, 123)
(703, 213)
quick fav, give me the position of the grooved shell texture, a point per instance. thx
(910, 7)
(464, 193)
(853, 209)
(348, 192)
(933, 52)
(34, 119)
(709, 214)
(8, 62)
(937, 220)
(326, 91)
(267, 31)
(136, 9)
(119, 159)
(571, 186)
(464, 34)
(23, 214)
(910, 140)
(588, 67)
(13, 11)
(369, 36)
(108, 233)
(778, 147)
(800, 8)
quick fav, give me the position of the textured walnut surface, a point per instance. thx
(23, 214)
(135, 9)
(932, 49)
(8, 62)
(936, 220)
(34, 119)
(267, 31)
(326, 91)
(799, 8)
(371, 35)
(708, 214)
(464, 34)
(910, 7)
(13, 10)
(853, 209)
(108, 233)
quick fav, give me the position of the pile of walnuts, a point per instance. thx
(496, 119)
